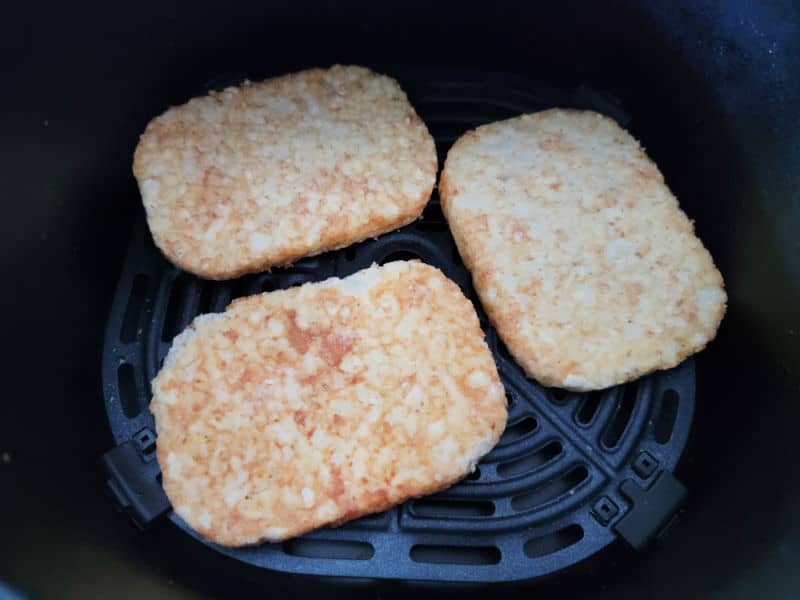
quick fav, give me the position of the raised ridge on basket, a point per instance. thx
(531, 461)
(438, 507)
(554, 541)
(132, 321)
(332, 549)
(546, 493)
(667, 412)
(455, 555)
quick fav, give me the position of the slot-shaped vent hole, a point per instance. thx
(509, 399)
(310, 264)
(550, 490)
(553, 542)
(455, 555)
(128, 396)
(530, 462)
(206, 303)
(667, 413)
(479, 309)
(268, 285)
(622, 415)
(401, 255)
(133, 311)
(173, 319)
(374, 518)
(373, 521)
(502, 350)
(456, 255)
(444, 508)
(475, 475)
(519, 430)
(244, 286)
(294, 279)
(558, 395)
(333, 549)
(589, 406)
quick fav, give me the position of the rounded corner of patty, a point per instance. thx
(263, 174)
(580, 254)
(321, 403)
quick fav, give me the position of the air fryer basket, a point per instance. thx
(571, 473)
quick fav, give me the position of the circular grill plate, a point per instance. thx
(545, 498)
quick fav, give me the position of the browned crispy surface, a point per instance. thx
(322, 403)
(265, 173)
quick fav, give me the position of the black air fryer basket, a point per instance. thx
(571, 473)
(680, 484)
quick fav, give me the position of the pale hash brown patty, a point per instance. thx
(318, 404)
(263, 174)
(581, 255)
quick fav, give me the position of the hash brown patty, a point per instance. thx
(260, 175)
(322, 403)
(582, 257)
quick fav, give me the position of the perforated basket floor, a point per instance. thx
(571, 473)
